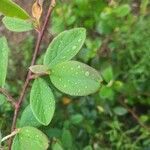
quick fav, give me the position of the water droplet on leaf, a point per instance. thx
(87, 73)
(79, 66)
(79, 40)
(74, 47)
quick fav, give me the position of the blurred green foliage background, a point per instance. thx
(118, 46)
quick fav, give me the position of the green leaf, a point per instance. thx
(28, 119)
(106, 93)
(42, 101)
(107, 73)
(39, 69)
(75, 78)
(88, 148)
(67, 139)
(30, 138)
(3, 60)
(120, 111)
(17, 25)
(53, 132)
(122, 10)
(11, 9)
(65, 46)
(57, 146)
(118, 85)
(76, 119)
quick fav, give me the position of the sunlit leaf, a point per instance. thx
(11, 9)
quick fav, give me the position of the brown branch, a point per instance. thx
(25, 86)
(10, 99)
(103, 50)
(134, 115)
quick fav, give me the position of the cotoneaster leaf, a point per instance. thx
(42, 101)
(11, 9)
(17, 25)
(65, 46)
(30, 138)
(75, 78)
(3, 60)
(28, 119)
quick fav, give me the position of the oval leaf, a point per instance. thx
(122, 10)
(75, 78)
(30, 138)
(39, 69)
(76, 119)
(3, 60)
(42, 101)
(120, 111)
(65, 46)
(17, 25)
(11, 9)
(28, 119)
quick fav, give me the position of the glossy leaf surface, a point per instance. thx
(17, 25)
(42, 101)
(65, 46)
(30, 138)
(75, 78)
(28, 119)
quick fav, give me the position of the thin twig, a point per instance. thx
(10, 99)
(134, 115)
(10, 135)
(25, 86)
